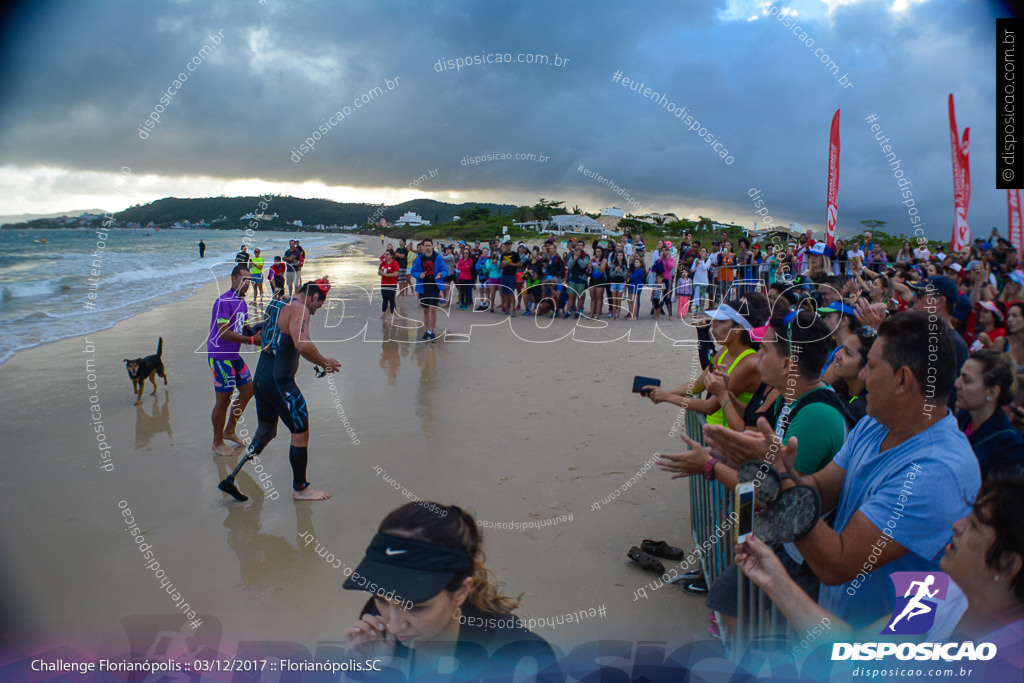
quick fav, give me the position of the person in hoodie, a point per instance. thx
(429, 271)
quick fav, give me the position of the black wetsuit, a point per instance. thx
(277, 395)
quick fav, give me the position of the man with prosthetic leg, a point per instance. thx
(286, 337)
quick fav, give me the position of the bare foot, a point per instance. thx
(310, 493)
(234, 438)
(226, 450)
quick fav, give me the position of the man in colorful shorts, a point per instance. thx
(229, 329)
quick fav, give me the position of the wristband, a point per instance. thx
(252, 341)
(708, 470)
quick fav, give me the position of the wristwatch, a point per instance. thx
(708, 469)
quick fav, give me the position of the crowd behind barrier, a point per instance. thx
(885, 471)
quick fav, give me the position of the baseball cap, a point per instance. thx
(323, 285)
(1017, 276)
(838, 307)
(757, 333)
(412, 569)
(818, 248)
(990, 306)
(940, 284)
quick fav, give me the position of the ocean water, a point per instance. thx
(44, 287)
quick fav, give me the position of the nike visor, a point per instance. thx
(415, 570)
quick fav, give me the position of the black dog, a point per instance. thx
(141, 369)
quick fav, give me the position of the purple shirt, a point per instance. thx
(228, 308)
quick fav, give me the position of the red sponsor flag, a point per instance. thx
(1013, 217)
(961, 181)
(832, 200)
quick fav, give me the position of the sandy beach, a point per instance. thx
(502, 422)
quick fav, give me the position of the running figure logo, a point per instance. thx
(914, 613)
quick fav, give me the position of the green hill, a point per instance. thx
(227, 211)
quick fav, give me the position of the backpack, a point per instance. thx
(817, 396)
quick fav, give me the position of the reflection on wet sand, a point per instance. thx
(390, 360)
(426, 356)
(157, 421)
(265, 560)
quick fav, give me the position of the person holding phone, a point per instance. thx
(793, 350)
(984, 559)
(433, 598)
(731, 331)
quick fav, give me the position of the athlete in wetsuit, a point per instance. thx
(285, 338)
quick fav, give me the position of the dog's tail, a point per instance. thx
(160, 348)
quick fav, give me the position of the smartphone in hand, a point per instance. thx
(640, 382)
(745, 511)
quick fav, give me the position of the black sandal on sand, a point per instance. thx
(791, 516)
(767, 491)
(661, 549)
(646, 562)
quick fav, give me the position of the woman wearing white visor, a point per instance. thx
(736, 359)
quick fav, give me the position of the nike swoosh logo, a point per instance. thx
(389, 552)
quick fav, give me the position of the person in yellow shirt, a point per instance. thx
(256, 275)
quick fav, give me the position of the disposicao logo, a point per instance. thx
(914, 613)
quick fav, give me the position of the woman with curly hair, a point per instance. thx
(433, 597)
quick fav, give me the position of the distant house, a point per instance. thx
(411, 219)
(614, 211)
(579, 223)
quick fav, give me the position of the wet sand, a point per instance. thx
(508, 427)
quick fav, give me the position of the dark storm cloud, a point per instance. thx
(80, 78)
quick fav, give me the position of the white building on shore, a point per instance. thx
(570, 223)
(412, 219)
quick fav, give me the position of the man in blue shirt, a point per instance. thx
(904, 475)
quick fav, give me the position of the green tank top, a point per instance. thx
(718, 417)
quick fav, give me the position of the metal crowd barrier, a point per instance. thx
(710, 506)
(759, 623)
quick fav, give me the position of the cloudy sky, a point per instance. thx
(79, 80)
